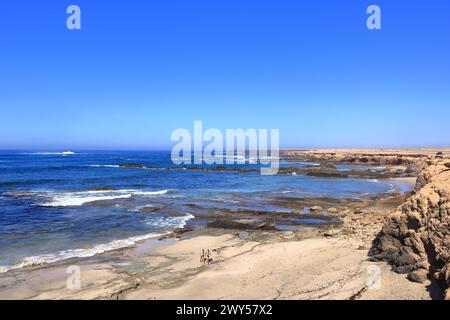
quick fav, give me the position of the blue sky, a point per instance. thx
(140, 69)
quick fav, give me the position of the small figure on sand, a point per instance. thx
(205, 256)
(208, 256)
(202, 256)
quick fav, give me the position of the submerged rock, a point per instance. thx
(131, 165)
(102, 189)
(316, 209)
(244, 224)
(332, 210)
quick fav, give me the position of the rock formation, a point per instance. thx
(411, 160)
(416, 238)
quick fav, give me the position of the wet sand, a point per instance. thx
(317, 268)
(328, 262)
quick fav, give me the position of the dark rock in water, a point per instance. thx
(246, 224)
(148, 209)
(325, 170)
(330, 172)
(316, 209)
(179, 231)
(102, 189)
(131, 165)
(154, 168)
(259, 213)
(328, 165)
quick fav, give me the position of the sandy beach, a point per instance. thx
(310, 262)
(274, 268)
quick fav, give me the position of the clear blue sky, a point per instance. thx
(139, 69)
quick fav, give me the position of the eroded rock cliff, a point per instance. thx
(416, 238)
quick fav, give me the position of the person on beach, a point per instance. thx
(202, 256)
(205, 256)
(208, 256)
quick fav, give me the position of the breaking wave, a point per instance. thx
(68, 199)
(173, 223)
(64, 153)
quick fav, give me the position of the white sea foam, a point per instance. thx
(174, 222)
(67, 199)
(311, 164)
(150, 193)
(78, 253)
(64, 153)
(392, 188)
(80, 198)
(164, 222)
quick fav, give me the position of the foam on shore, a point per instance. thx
(67, 199)
(174, 222)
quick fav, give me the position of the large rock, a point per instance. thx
(131, 165)
(416, 238)
(316, 209)
(242, 224)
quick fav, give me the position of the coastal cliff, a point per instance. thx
(416, 239)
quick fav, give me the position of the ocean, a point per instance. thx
(60, 205)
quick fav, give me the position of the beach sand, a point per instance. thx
(308, 269)
(316, 268)
(308, 263)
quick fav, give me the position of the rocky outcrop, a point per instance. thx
(131, 165)
(416, 238)
(242, 224)
(411, 160)
(324, 170)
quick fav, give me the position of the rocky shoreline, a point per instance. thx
(326, 261)
(388, 157)
(416, 239)
(323, 169)
(331, 256)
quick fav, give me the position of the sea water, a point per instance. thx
(65, 204)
